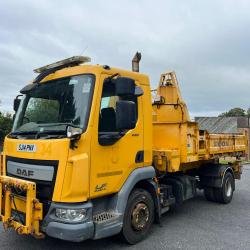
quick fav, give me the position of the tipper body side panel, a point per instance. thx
(178, 144)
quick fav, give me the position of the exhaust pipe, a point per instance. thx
(135, 62)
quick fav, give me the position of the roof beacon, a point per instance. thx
(69, 62)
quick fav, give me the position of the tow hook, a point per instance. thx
(19, 230)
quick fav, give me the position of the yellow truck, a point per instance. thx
(93, 154)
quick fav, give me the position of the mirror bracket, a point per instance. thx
(16, 103)
(74, 134)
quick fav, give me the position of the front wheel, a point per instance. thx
(138, 217)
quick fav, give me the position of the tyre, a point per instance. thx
(225, 193)
(209, 193)
(138, 217)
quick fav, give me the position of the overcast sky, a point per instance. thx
(206, 42)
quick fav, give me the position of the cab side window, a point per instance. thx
(107, 114)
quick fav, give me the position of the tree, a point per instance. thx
(6, 121)
(235, 112)
(248, 112)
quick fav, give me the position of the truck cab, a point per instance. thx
(78, 134)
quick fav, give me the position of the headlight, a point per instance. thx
(71, 215)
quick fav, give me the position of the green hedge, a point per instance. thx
(6, 122)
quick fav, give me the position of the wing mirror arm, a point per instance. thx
(74, 133)
(16, 103)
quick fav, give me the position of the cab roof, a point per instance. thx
(96, 70)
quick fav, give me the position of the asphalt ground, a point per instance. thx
(197, 224)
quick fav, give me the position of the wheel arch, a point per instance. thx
(229, 170)
(141, 177)
(151, 187)
(212, 175)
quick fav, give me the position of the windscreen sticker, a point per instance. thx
(86, 87)
(73, 81)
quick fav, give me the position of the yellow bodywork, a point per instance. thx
(108, 164)
(82, 171)
(171, 142)
(178, 144)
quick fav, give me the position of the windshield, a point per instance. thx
(54, 105)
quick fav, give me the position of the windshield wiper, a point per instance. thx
(50, 133)
(46, 132)
(37, 134)
(23, 133)
(58, 124)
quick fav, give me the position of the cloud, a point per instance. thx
(205, 42)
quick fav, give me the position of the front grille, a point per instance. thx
(44, 187)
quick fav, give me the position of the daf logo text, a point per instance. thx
(24, 172)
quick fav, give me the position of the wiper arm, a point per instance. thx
(23, 133)
(58, 124)
(50, 133)
(37, 132)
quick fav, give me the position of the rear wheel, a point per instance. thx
(225, 193)
(209, 193)
(138, 217)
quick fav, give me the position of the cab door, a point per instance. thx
(112, 164)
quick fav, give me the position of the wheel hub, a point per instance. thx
(228, 187)
(140, 216)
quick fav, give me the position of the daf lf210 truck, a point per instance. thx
(91, 154)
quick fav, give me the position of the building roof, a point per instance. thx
(218, 124)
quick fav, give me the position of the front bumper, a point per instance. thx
(70, 232)
(25, 215)
(75, 232)
(32, 221)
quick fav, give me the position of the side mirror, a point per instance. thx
(16, 103)
(125, 115)
(124, 86)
